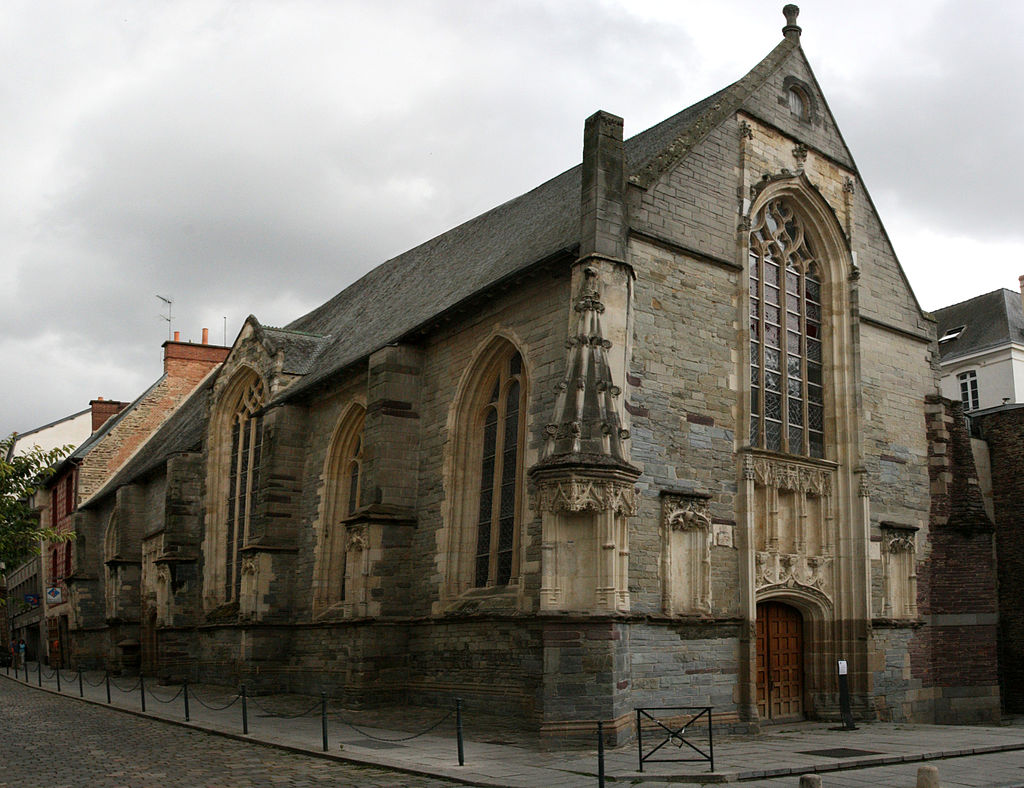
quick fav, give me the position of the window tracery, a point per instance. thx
(787, 404)
(243, 478)
(343, 486)
(500, 475)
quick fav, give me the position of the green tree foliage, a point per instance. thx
(20, 477)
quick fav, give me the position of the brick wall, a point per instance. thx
(1004, 432)
(957, 655)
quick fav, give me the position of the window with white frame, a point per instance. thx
(969, 389)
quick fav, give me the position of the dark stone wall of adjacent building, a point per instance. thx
(1003, 430)
(957, 582)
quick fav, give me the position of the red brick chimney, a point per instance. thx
(103, 409)
(189, 360)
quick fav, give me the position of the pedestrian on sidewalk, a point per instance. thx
(21, 653)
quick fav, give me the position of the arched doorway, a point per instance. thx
(780, 662)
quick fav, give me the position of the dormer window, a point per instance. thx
(951, 334)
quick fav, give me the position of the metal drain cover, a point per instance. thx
(839, 752)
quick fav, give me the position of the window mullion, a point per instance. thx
(499, 456)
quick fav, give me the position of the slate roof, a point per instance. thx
(989, 320)
(182, 432)
(407, 291)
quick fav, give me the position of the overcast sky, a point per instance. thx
(257, 157)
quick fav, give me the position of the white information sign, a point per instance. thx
(842, 667)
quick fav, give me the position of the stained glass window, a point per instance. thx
(243, 478)
(786, 399)
(500, 476)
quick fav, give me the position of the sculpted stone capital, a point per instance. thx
(783, 475)
(586, 495)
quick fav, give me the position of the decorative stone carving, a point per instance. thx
(248, 566)
(163, 574)
(848, 186)
(783, 475)
(900, 542)
(746, 130)
(584, 495)
(687, 515)
(686, 554)
(791, 570)
(800, 154)
(356, 540)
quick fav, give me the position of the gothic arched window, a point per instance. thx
(243, 477)
(342, 490)
(499, 434)
(787, 405)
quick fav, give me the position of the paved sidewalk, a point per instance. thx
(497, 756)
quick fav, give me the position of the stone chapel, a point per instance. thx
(665, 430)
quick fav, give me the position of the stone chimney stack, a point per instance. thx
(1020, 282)
(603, 197)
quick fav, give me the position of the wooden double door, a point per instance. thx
(780, 662)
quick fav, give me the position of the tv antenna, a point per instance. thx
(170, 311)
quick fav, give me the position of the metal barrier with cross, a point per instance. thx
(667, 728)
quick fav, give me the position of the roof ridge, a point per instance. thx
(732, 99)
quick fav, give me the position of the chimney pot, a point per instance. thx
(206, 336)
(177, 336)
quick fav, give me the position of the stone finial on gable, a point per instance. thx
(792, 29)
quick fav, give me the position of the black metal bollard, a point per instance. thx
(245, 712)
(39, 664)
(600, 754)
(142, 691)
(57, 671)
(458, 730)
(323, 718)
(106, 677)
(81, 689)
(184, 692)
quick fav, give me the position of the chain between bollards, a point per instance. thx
(184, 692)
(458, 730)
(323, 717)
(245, 712)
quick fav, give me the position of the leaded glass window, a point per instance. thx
(501, 452)
(787, 405)
(243, 478)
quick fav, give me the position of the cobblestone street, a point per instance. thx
(61, 743)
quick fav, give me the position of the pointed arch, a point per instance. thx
(342, 488)
(799, 350)
(486, 482)
(233, 475)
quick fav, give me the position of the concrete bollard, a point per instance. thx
(927, 777)
(810, 781)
